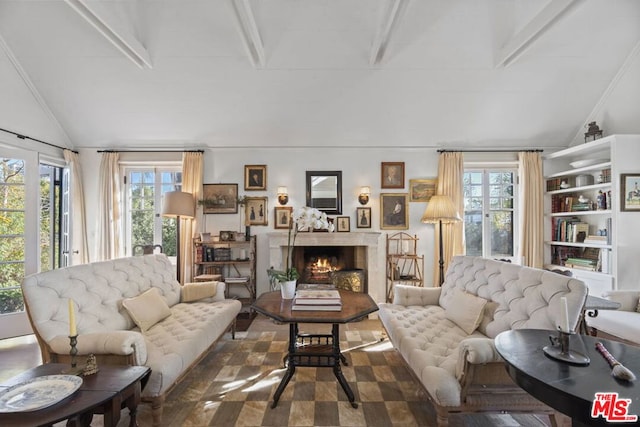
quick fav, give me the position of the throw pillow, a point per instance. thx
(465, 310)
(147, 309)
(196, 291)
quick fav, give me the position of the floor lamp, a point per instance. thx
(178, 204)
(440, 209)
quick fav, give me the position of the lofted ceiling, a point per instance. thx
(298, 73)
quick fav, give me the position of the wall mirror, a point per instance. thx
(324, 191)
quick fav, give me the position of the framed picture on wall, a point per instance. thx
(282, 217)
(363, 217)
(392, 175)
(394, 214)
(630, 191)
(421, 190)
(219, 198)
(255, 210)
(255, 177)
(344, 223)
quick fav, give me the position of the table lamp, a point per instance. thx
(178, 204)
(440, 209)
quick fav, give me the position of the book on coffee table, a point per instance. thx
(321, 299)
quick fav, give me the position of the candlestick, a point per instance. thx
(72, 320)
(73, 341)
(564, 315)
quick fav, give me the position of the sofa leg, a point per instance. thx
(156, 411)
(442, 417)
(233, 329)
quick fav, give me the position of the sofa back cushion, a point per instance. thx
(98, 290)
(524, 297)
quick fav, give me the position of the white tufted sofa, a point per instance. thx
(170, 348)
(461, 371)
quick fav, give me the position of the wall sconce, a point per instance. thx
(283, 195)
(363, 197)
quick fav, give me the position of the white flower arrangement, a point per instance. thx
(301, 219)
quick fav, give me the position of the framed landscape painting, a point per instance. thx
(421, 190)
(219, 198)
(394, 214)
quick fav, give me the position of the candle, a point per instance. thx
(405, 247)
(564, 315)
(243, 254)
(72, 320)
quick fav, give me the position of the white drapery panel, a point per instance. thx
(531, 209)
(110, 242)
(192, 179)
(78, 224)
(450, 176)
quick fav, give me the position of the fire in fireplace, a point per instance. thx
(317, 263)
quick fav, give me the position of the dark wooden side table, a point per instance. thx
(315, 350)
(106, 392)
(570, 389)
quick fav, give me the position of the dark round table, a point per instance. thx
(569, 388)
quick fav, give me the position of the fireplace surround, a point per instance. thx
(365, 248)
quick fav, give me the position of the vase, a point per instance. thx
(288, 289)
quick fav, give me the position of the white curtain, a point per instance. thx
(450, 176)
(192, 178)
(110, 242)
(531, 209)
(78, 224)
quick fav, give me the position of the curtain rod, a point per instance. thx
(150, 151)
(536, 150)
(20, 136)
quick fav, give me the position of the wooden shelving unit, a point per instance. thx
(233, 262)
(404, 265)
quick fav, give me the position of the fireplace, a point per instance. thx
(358, 251)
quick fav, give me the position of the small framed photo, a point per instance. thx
(219, 198)
(255, 211)
(630, 191)
(255, 177)
(363, 217)
(421, 190)
(282, 217)
(227, 236)
(344, 223)
(392, 175)
(394, 214)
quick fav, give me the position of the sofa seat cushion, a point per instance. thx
(176, 342)
(429, 343)
(619, 323)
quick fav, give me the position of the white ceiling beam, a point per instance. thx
(540, 23)
(388, 25)
(34, 90)
(249, 31)
(610, 88)
(112, 30)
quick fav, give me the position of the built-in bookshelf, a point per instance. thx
(584, 225)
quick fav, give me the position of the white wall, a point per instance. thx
(287, 167)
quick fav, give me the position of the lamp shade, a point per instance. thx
(365, 190)
(440, 208)
(282, 190)
(178, 203)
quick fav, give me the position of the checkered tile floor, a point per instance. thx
(234, 386)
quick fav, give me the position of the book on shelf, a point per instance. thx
(241, 279)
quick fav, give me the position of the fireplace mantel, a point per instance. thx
(369, 240)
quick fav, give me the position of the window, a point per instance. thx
(15, 234)
(146, 229)
(490, 216)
